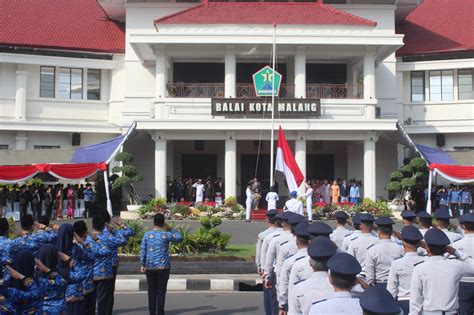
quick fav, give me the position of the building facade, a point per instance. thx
(103, 65)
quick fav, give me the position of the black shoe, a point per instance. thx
(248, 221)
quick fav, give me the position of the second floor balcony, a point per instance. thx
(246, 90)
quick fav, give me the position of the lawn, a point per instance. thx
(244, 250)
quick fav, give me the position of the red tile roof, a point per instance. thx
(264, 13)
(438, 26)
(60, 24)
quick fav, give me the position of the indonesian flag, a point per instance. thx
(286, 163)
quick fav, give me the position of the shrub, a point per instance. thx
(179, 209)
(396, 176)
(230, 201)
(394, 186)
(376, 208)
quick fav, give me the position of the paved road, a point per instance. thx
(193, 303)
(242, 232)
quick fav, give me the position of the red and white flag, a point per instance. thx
(286, 163)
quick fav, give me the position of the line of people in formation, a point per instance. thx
(51, 200)
(195, 190)
(66, 269)
(309, 268)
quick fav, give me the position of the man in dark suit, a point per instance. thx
(344, 191)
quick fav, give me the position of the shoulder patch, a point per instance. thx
(371, 246)
(299, 258)
(418, 263)
(283, 243)
(319, 301)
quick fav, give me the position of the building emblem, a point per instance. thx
(265, 80)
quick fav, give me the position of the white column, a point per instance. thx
(300, 154)
(369, 166)
(300, 72)
(20, 141)
(20, 96)
(230, 180)
(161, 72)
(369, 81)
(160, 164)
(230, 72)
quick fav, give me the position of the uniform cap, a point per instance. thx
(295, 219)
(344, 264)
(321, 246)
(341, 215)
(441, 214)
(436, 237)
(384, 221)
(284, 215)
(356, 218)
(319, 228)
(467, 218)
(408, 214)
(411, 233)
(271, 213)
(424, 215)
(367, 217)
(293, 193)
(301, 230)
(379, 301)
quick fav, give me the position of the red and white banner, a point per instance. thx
(286, 163)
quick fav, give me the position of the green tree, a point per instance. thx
(413, 174)
(127, 175)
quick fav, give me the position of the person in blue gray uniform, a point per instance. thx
(408, 217)
(399, 276)
(155, 262)
(52, 283)
(343, 271)
(378, 301)
(466, 244)
(44, 233)
(5, 248)
(466, 200)
(27, 240)
(454, 200)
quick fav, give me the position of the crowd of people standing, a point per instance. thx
(56, 202)
(309, 268)
(195, 190)
(60, 269)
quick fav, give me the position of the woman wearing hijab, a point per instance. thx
(76, 274)
(23, 281)
(52, 284)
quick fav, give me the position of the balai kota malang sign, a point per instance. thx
(256, 108)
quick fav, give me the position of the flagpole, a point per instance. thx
(273, 106)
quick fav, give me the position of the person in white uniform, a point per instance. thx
(442, 223)
(317, 287)
(435, 282)
(272, 198)
(381, 255)
(199, 186)
(425, 221)
(261, 236)
(356, 232)
(340, 232)
(401, 270)
(308, 195)
(359, 244)
(343, 271)
(466, 244)
(293, 204)
(248, 203)
(302, 240)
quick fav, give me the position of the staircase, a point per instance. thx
(260, 214)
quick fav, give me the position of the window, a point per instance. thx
(417, 86)
(70, 83)
(46, 147)
(47, 80)
(465, 84)
(3, 146)
(93, 84)
(441, 85)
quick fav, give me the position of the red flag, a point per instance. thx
(286, 163)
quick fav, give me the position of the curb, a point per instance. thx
(140, 284)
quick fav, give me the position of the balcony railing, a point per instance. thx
(211, 90)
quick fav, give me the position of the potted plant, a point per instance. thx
(127, 176)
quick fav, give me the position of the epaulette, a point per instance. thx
(299, 258)
(299, 281)
(371, 246)
(319, 301)
(398, 258)
(418, 263)
(458, 240)
(285, 258)
(283, 243)
(276, 235)
(354, 238)
(348, 235)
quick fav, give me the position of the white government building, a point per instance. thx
(77, 72)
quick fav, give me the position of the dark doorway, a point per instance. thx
(320, 166)
(199, 165)
(198, 72)
(327, 73)
(247, 173)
